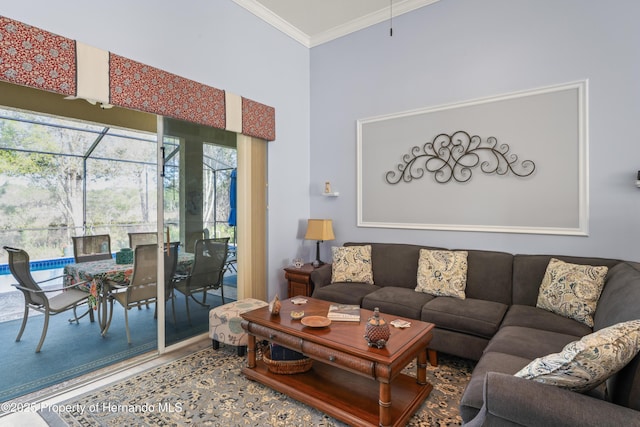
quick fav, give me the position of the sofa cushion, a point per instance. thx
(484, 267)
(620, 298)
(528, 342)
(473, 398)
(537, 318)
(457, 343)
(351, 264)
(471, 316)
(344, 293)
(619, 302)
(442, 273)
(398, 301)
(583, 365)
(571, 290)
(394, 264)
(624, 387)
(528, 272)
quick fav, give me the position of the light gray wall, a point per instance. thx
(220, 44)
(459, 50)
(453, 50)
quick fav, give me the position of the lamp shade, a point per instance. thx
(319, 229)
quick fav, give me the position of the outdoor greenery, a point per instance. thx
(47, 164)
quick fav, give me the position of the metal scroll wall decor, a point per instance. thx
(452, 157)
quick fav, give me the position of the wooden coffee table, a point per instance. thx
(342, 382)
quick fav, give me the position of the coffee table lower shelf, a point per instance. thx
(348, 397)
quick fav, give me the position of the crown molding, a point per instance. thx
(276, 21)
(310, 41)
(368, 20)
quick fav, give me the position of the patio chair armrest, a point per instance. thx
(180, 277)
(112, 284)
(23, 289)
(49, 279)
(74, 285)
(42, 291)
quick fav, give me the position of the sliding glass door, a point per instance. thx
(197, 167)
(193, 165)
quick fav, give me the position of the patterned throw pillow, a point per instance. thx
(442, 273)
(571, 290)
(351, 264)
(585, 364)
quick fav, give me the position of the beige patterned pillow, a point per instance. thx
(571, 290)
(351, 264)
(583, 365)
(442, 273)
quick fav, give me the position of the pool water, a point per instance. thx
(7, 279)
(40, 270)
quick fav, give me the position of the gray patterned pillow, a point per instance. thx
(585, 364)
(351, 264)
(442, 273)
(571, 290)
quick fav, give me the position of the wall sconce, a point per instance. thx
(638, 180)
(319, 230)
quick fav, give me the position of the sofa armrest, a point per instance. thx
(321, 276)
(509, 400)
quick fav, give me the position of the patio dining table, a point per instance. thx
(99, 275)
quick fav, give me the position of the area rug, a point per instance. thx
(207, 388)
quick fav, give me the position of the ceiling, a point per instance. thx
(313, 22)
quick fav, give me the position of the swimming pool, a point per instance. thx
(43, 264)
(40, 270)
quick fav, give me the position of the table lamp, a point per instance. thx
(319, 230)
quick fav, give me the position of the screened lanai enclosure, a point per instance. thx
(61, 178)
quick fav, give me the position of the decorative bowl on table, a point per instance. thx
(297, 315)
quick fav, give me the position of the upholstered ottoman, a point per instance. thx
(224, 323)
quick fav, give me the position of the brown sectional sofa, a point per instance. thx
(498, 325)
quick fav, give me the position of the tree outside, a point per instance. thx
(47, 164)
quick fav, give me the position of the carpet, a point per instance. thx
(207, 388)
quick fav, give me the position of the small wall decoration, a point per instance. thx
(455, 156)
(509, 163)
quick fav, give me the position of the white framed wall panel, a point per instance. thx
(547, 126)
